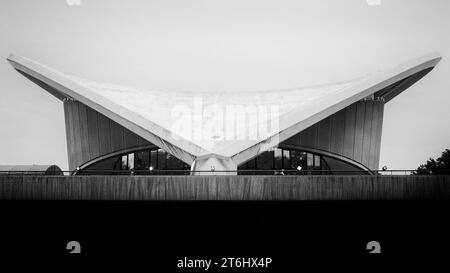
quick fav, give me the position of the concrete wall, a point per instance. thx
(354, 132)
(224, 187)
(90, 134)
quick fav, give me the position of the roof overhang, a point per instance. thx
(299, 108)
(406, 74)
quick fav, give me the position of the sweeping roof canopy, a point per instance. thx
(232, 125)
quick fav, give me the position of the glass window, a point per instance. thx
(317, 162)
(109, 166)
(265, 162)
(297, 160)
(286, 159)
(251, 164)
(161, 160)
(154, 159)
(278, 157)
(131, 161)
(310, 161)
(340, 167)
(173, 163)
(303, 159)
(141, 161)
(124, 162)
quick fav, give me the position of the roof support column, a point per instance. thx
(213, 165)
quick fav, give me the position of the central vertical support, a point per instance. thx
(214, 165)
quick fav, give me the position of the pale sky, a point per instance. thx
(214, 45)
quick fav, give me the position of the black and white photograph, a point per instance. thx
(225, 135)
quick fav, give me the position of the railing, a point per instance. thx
(226, 172)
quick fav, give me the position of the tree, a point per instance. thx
(440, 165)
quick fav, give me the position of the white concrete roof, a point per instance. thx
(172, 120)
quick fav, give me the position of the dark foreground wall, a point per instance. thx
(224, 187)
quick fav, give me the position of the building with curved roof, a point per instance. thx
(30, 170)
(330, 128)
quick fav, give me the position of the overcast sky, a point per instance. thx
(213, 45)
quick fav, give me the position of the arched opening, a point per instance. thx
(141, 161)
(301, 161)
